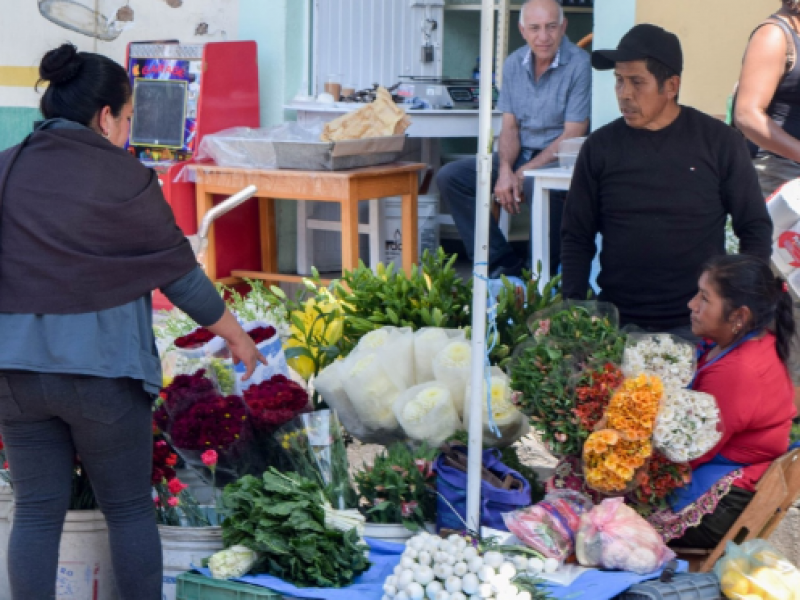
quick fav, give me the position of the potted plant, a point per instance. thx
(397, 493)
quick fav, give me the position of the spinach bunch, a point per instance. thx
(281, 517)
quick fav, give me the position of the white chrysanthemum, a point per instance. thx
(374, 339)
(660, 354)
(687, 425)
(456, 355)
(232, 562)
(426, 413)
(361, 365)
(420, 407)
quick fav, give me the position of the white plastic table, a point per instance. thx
(546, 179)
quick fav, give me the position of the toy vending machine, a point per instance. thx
(182, 92)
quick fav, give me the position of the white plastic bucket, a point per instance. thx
(183, 547)
(392, 532)
(427, 227)
(84, 558)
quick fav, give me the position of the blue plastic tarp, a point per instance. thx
(385, 556)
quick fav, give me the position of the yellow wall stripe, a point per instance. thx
(18, 76)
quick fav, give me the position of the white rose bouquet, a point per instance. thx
(662, 354)
(687, 426)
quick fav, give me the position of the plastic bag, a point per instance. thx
(688, 425)
(511, 423)
(670, 357)
(613, 536)
(229, 374)
(232, 562)
(452, 366)
(756, 570)
(549, 527)
(395, 349)
(426, 413)
(428, 341)
(371, 390)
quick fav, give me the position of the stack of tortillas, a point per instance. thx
(379, 118)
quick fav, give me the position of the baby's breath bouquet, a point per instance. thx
(315, 446)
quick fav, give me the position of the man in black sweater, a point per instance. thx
(658, 184)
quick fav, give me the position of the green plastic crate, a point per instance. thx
(192, 586)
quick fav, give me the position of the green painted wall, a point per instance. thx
(15, 124)
(278, 27)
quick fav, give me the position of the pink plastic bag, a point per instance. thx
(613, 536)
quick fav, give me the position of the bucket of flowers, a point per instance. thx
(397, 492)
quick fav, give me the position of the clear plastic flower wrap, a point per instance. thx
(426, 413)
(394, 347)
(229, 374)
(232, 562)
(510, 422)
(195, 417)
(755, 569)
(452, 366)
(688, 425)
(371, 391)
(428, 341)
(549, 527)
(613, 536)
(670, 357)
(316, 450)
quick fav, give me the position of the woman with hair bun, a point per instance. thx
(85, 237)
(745, 313)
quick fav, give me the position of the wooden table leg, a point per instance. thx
(205, 202)
(410, 223)
(268, 234)
(349, 234)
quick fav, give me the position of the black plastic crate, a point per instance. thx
(684, 586)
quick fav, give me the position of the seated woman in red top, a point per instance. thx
(746, 313)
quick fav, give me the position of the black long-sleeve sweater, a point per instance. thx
(660, 200)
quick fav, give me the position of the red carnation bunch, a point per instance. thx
(210, 422)
(262, 334)
(274, 402)
(164, 461)
(195, 339)
(659, 480)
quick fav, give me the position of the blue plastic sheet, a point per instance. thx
(592, 585)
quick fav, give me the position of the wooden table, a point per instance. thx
(348, 188)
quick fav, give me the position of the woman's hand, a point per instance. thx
(241, 345)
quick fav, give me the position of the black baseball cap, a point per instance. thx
(641, 42)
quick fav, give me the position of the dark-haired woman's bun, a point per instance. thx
(60, 64)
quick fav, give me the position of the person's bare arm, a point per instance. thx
(548, 155)
(507, 189)
(762, 69)
(240, 344)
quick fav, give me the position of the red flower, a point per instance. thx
(274, 402)
(196, 338)
(175, 486)
(211, 422)
(173, 502)
(407, 509)
(262, 334)
(163, 462)
(209, 458)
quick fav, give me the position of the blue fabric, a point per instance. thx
(117, 342)
(703, 477)
(385, 556)
(603, 585)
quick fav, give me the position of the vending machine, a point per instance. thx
(181, 93)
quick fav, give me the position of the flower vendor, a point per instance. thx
(746, 313)
(86, 237)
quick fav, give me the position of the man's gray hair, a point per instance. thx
(561, 11)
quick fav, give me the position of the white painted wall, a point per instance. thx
(25, 35)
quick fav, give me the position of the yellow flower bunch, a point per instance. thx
(633, 407)
(610, 461)
(318, 329)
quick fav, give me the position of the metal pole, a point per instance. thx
(482, 206)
